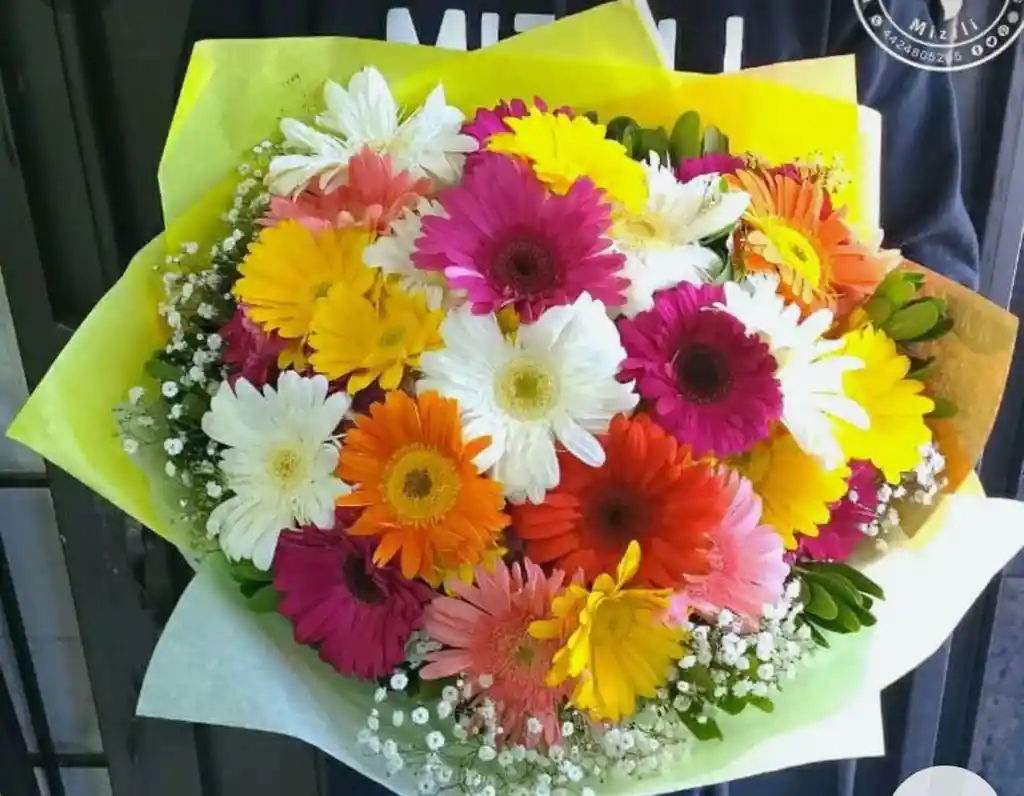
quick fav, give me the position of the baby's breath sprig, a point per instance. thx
(162, 420)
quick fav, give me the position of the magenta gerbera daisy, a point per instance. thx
(707, 381)
(488, 121)
(505, 240)
(357, 614)
(849, 518)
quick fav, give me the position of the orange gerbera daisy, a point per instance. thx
(649, 489)
(422, 493)
(791, 229)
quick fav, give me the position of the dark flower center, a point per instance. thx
(417, 483)
(525, 264)
(702, 373)
(362, 585)
(618, 516)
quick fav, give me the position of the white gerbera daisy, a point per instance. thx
(392, 253)
(429, 142)
(279, 461)
(554, 381)
(662, 242)
(810, 371)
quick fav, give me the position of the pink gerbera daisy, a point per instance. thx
(849, 518)
(707, 381)
(373, 195)
(489, 121)
(485, 629)
(249, 352)
(713, 163)
(357, 614)
(748, 566)
(506, 241)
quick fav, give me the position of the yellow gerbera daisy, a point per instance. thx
(794, 486)
(564, 148)
(367, 340)
(894, 403)
(290, 268)
(618, 646)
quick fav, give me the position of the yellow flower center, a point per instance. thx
(421, 484)
(287, 466)
(320, 289)
(795, 250)
(642, 229)
(391, 336)
(527, 390)
(613, 620)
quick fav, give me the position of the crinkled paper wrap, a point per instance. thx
(217, 663)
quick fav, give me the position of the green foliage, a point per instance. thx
(686, 140)
(944, 409)
(256, 586)
(837, 599)
(896, 309)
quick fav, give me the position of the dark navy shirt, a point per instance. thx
(922, 210)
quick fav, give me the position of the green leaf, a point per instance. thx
(684, 142)
(264, 601)
(941, 329)
(879, 309)
(861, 581)
(714, 141)
(834, 625)
(246, 571)
(822, 604)
(763, 704)
(805, 592)
(819, 637)
(865, 617)
(898, 288)
(195, 405)
(592, 115)
(944, 409)
(848, 618)
(708, 731)
(733, 705)
(700, 676)
(914, 277)
(654, 141)
(838, 587)
(922, 368)
(912, 321)
(162, 371)
(620, 127)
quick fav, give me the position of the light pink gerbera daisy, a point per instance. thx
(373, 195)
(748, 566)
(485, 629)
(708, 382)
(506, 241)
(849, 518)
(357, 614)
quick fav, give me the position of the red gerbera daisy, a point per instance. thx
(649, 489)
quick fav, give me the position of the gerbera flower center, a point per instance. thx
(618, 516)
(703, 374)
(421, 484)
(527, 390)
(641, 229)
(613, 620)
(287, 466)
(795, 250)
(525, 264)
(391, 336)
(320, 290)
(360, 583)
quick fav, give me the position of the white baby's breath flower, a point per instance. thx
(176, 411)
(279, 462)
(444, 709)
(135, 395)
(398, 718)
(556, 381)
(450, 694)
(399, 681)
(420, 715)
(131, 446)
(435, 740)
(379, 695)
(487, 753)
(169, 389)
(214, 342)
(173, 446)
(214, 490)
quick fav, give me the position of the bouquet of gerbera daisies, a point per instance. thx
(581, 438)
